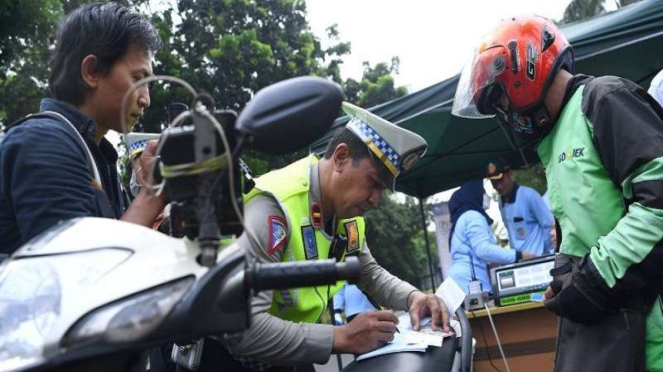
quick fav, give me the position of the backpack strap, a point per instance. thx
(101, 199)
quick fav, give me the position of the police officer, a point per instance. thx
(310, 210)
(601, 142)
(526, 216)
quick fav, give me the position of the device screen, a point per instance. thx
(526, 276)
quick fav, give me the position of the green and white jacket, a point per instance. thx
(604, 164)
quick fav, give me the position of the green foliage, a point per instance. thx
(25, 27)
(240, 47)
(534, 177)
(376, 86)
(578, 10)
(395, 238)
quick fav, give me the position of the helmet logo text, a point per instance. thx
(532, 56)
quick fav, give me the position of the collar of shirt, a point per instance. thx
(85, 126)
(512, 196)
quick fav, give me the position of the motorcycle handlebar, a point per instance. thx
(303, 274)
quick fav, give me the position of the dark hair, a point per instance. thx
(358, 149)
(104, 30)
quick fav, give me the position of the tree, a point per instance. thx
(239, 47)
(534, 177)
(376, 86)
(581, 9)
(395, 237)
(24, 53)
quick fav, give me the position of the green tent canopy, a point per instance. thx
(627, 43)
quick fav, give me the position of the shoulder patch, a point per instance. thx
(278, 235)
(310, 244)
(352, 232)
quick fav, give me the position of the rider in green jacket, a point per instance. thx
(601, 142)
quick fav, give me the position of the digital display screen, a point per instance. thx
(526, 276)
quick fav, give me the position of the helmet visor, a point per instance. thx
(475, 92)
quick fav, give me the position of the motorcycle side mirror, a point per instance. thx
(291, 114)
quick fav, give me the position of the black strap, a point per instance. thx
(101, 199)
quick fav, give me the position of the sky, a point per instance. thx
(432, 38)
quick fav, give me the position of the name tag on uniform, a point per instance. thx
(310, 245)
(352, 232)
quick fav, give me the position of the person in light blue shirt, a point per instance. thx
(525, 214)
(472, 241)
(353, 301)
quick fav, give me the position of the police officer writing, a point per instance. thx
(601, 142)
(312, 209)
(526, 216)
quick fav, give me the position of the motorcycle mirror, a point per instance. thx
(291, 114)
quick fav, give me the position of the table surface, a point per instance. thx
(495, 310)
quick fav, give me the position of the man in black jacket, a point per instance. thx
(58, 165)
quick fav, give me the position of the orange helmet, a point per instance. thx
(511, 72)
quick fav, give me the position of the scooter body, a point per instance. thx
(57, 281)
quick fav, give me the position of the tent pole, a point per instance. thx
(430, 261)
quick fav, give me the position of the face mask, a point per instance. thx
(486, 201)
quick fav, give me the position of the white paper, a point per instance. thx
(399, 344)
(425, 335)
(451, 294)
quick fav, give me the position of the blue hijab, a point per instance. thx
(468, 198)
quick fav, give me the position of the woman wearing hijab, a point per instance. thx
(472, 241)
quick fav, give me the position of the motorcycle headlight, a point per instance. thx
(31, 294)
(129, 319)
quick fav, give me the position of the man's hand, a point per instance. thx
(145, 208)
(579, 300)
(146, 162)
(367, 331)
(549, 294)
(422, 305)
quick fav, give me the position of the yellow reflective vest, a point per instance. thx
(290, 187)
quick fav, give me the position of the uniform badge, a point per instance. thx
(521, 232)
(277, 233)
(310, 245)
(352, 232)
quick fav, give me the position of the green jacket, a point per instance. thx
(604, 165)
